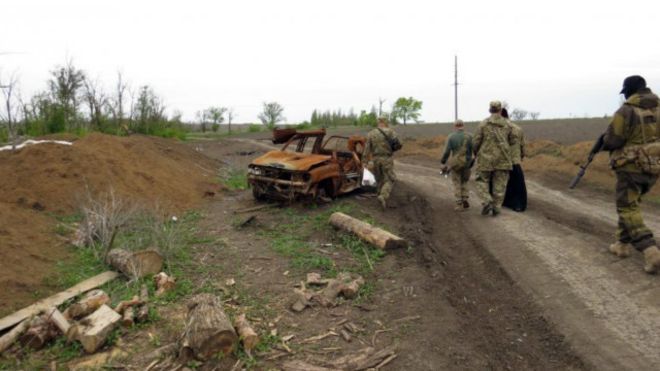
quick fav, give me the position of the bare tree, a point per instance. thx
(534, 115)
(380, 106)
(96, 101)
(11, 107)
(272, 114)
(117, 101)
(231, 115)
(518, 114)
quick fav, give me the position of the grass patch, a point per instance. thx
(235, 179)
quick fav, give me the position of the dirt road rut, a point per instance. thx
(608, 308)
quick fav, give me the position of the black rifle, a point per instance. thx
(598, 146)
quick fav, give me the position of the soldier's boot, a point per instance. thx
(383, 202)
(466, 204)
(651, 260)
(496, 211)
(459, 206)
(486, 209)
(620, 249)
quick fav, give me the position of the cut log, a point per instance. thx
(164, 283)
(88, 304)
(57, 318)
(143, 312)
(246, 333)
(127, 319)
(367, 232)
(93, 330)
(208, 331)
(135, 264)
(344, 284)
(40, 332)
(9, 338)
(56, 299)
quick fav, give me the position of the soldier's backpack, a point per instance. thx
(394, 143)
(645, 156)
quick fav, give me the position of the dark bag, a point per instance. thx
(394, 143)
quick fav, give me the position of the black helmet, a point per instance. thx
(632, 84)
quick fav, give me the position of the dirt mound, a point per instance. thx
(152, 171)
(45, 179)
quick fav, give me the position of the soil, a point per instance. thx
(45, 181)
(534, 290)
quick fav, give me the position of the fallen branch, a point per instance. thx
(319, 337)
(123, 305)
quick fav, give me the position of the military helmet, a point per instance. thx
(496, 104)
(632, 84)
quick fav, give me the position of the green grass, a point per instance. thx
(235, 179)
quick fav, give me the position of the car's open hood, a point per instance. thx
(290, 160)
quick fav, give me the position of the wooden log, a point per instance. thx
(364, 359)
(128, 318)
(143, 312)
(93, 330)
(246, 333)
(56, 299)
(367, 232)
(40, 332)
(164, 283)
(10, 338)
(123, 305)
(57, 318)
(87, 305)
(208, 330)
(135, 264)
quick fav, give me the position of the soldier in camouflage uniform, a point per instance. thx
(492, 147)
(459, 146)
(633, 125)
(379, 153)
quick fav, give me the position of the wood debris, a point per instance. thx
(164, 283)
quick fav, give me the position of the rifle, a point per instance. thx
(583, 168)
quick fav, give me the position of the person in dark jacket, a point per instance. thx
(515, 197)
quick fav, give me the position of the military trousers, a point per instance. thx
(630, 187)
(384, 174)
(460, 178)
(491, 186)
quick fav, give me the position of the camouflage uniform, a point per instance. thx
(624, 132)
(459, 146)
(381, 154)
(493, 141)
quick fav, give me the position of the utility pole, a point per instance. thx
(455, 87)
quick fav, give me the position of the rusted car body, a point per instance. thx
(308, 166)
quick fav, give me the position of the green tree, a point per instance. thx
(406, 109)
(272, 113)
(65, 85)
(149, 112)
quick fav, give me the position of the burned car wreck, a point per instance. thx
(307, 166)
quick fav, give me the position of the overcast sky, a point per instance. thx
(560, 58)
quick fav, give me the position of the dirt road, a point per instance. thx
(556, 251)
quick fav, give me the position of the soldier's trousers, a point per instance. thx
(384, 174)
(498, 179)
(460, 178)
(630, 187)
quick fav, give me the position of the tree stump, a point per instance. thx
(367, 232)
(208, 329)
(135, 264)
